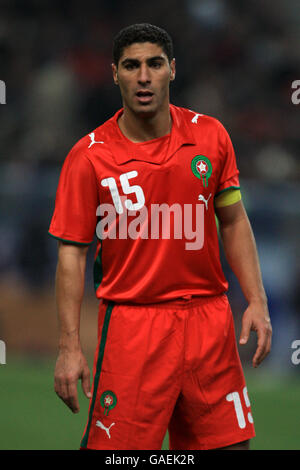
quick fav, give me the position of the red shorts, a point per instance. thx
(168, 366)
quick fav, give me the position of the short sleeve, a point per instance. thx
(229, 176)
(74, 219)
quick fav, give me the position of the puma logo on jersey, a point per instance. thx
(93, 141)
(195, 118)
(202, 198)
(101, 425)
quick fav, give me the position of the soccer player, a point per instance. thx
(149, 182)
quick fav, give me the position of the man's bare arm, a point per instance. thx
(241, 254)
(71, 364)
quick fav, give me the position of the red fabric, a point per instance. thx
(77, 198)
(163, 266)
(175, 366)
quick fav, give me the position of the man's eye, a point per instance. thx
(156, 65)
(130, 66)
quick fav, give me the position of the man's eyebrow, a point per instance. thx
(157, 57)
(131, 60)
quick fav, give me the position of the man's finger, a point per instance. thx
(85, 383)
(245, 332)
(267, 346)
(262, 347)
(72, 400)
(61, 389)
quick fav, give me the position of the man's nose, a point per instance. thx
(144, 75)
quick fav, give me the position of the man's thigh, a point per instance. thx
(245, 445)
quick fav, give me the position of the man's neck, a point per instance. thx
(140, 128)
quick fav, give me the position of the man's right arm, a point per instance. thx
(71, 364)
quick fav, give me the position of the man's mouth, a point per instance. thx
(144, 96)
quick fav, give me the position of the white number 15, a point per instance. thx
(127, 189)
(235, 398)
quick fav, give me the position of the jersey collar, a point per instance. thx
(125, 151)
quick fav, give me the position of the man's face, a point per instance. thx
(143, 75)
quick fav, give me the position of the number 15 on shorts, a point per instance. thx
(237, 403)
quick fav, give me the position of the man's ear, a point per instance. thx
(173, 70)
(115, 73)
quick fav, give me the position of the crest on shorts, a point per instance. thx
(202, 168)
(108, 401)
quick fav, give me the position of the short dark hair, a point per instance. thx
(142, 32)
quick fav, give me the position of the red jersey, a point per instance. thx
(151, 206)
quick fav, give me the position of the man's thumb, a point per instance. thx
(86, 387)
(246, 325)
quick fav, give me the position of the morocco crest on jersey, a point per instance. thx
(108, 401)
(202, 168)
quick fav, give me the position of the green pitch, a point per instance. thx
(32, 417)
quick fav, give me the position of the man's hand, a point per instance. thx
(70, 367)
(256, 318)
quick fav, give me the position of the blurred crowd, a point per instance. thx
(235, 61)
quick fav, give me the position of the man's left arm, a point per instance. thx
(241, 253)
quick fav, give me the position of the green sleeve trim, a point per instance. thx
(70, 242)
(98, 271)
(226, 189)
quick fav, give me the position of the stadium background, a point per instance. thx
(235, 61)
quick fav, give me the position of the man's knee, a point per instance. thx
(244, 445)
